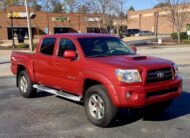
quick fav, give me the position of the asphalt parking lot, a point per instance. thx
(50, 116)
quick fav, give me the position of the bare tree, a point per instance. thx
(121, 16)
(52, 5)
(177, 13)
(35, 5)
(46, 5)
(57, 6)
(82, 9)
(71, 5)
(103, 10)
(6, 3)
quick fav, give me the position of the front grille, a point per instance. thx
(162, 92)
(159, 75)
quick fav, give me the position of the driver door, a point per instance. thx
(67, 70)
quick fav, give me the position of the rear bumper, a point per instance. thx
(149, 94)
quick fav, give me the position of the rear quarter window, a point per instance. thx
(48, 46)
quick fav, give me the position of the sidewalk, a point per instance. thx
(5, 56)
(5, 63)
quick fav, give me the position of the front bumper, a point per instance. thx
(149, 94)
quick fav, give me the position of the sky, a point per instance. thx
(140, 4)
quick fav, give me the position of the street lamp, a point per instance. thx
(156, 16)
(12, 29)
(29, 25)
(121, 22)
(121, 12)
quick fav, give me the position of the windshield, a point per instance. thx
(104, 46)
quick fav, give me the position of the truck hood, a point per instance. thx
(134, 62)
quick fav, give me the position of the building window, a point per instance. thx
(93, 30)
(20, 31)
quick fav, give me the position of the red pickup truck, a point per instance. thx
(100, 70)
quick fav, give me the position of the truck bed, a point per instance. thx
(24, 58)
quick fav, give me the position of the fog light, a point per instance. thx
(128, 95)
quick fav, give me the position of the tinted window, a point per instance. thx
(47, 46)
(65, 44)
(136, 31)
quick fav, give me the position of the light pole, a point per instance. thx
(47, 23)
(12, 29)
(121, 12)
(120, 28)
(157, 14)
(29, 25)
(79, 24)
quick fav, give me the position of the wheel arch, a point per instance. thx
(94, 78)
(20, 68)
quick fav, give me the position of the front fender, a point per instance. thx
(103, 79)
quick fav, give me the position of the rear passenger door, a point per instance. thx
(67, 70)
(44, 62)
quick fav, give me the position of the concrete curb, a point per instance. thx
(7, 77)
(5, 62)
(161, 46)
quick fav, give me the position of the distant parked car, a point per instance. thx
(145, 33)
(132, 32)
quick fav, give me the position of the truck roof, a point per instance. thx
(80, 35)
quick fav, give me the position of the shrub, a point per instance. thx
(35, 45)
(183, 35)
(23, 46)
(186, 41)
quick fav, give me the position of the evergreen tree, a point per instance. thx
(131, 8)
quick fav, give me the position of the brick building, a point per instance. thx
(44, 23)
(148, 20)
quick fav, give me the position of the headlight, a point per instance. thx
(128, 76)
(175, 70)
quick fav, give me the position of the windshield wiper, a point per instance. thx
(126, 54)
(107, 55)
(103, 55)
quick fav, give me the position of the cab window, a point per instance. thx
(65, 44)
(48, 46)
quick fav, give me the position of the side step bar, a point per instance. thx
(59, 93)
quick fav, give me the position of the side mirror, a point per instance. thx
(69, 54)
(133, 48)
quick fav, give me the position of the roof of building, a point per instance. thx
(80, 35)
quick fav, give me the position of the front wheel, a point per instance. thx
(25, 85)
(98, 106)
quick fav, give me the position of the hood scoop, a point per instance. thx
(139, 58)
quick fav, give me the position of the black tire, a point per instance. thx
(109, 109)
(27, 91)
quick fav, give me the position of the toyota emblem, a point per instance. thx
(160, 75)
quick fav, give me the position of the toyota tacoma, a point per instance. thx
(98, 69)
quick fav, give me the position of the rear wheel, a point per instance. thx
(98, 106)
(25, 85)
